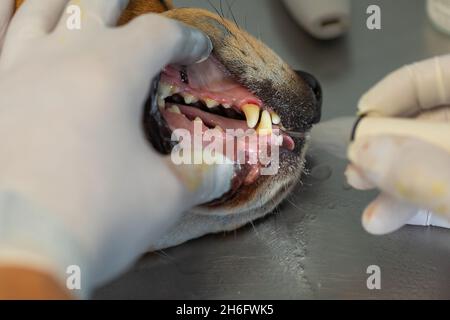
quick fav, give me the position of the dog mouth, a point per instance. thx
(206, 98)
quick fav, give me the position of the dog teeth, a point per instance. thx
(161, 103)
(265, 125)
(189, 98)
(174, 109)
(164, 90)
(174, 90)
(275, 118)
(251, 112)
(279, 140)
(210, 103)
(199, 120)
(226, 105)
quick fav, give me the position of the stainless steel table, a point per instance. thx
(314, 247)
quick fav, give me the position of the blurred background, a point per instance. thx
(314, 245)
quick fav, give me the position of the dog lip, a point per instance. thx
(237, 183)
(156, 128)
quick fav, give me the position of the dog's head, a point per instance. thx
(232, 89)
(243, 71)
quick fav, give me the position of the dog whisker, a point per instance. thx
(215, 8)
(293, 204)
(254, 229)
(222, 14)
(230, 9)
(162, 254)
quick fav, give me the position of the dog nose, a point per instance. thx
(314, 84)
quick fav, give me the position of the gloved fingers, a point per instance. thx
(357, 180)
(93, 12)
(154, 41)
(34, 18)
(6, 11)
(386, 214)
(411, 89)
(407, 169)
(438, 115)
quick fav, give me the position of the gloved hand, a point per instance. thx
(410, 173)
(6, 10)
(79, 183)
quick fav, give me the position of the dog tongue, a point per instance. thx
(212, 120)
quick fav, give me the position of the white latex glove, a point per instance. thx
(6, 11)
(80, 184)
(411, 174)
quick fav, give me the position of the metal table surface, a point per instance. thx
(314, 247)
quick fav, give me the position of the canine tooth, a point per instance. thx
(198, 119)
(275, 118)
(265, 125)
(251, 112)
(226, 105)
(164, 90)
(161, 103)
(175, 109)
(189, 98)
(210, 103)
(174, 90)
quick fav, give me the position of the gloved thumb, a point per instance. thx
(154, 40)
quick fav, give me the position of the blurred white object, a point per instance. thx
(439, 13)
(323, 19)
